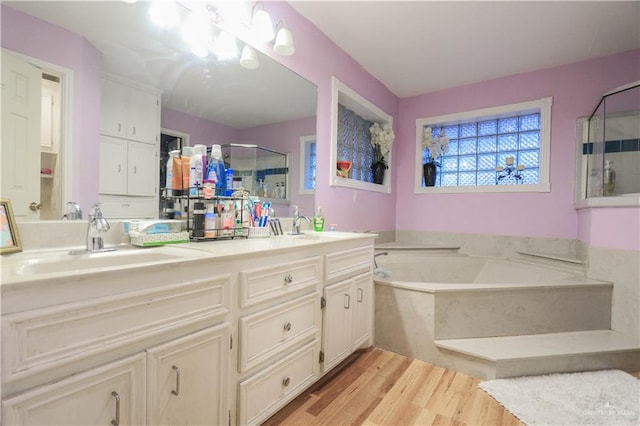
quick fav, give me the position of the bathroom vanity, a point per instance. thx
(224, 332)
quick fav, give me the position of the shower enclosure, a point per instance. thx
(610, 157)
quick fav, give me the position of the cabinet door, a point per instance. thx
(112, 167)
(187, 379)
(142, 169)
(100, 396)
(336, 333)
(142, 116)
(113, 113)
(362, 309)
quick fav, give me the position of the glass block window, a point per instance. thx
(309, 164)
(477, 147)
(354, 144)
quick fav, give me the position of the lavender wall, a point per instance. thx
(38, 39)
(317, 58)
(576, 88)
(285, 137)
(200, 130)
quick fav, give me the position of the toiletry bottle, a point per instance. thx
(229, 181)
(220, 173)
(318, 221)
(185, 167)
(196, 170)
(169, 180)
(609, 179)
(198, 219)
(177, 210)
(210, 222)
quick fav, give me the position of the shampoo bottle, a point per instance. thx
(217, 167)
(318, 221)
(169, 180)
(609, 179)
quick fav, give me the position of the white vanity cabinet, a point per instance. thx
(156, 355)
(114, 392)
(129, 150)
(279, 332)
(348, 312)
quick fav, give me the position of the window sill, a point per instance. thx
(541, 187)
(366, 186)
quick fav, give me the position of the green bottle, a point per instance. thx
(318, 221)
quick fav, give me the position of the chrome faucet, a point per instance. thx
(384, 253)
(74, 212)
(296, 221)
(96, 226)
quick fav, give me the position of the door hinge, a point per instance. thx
(229, 417)
(321, 356)
(230, 341)
(323, 303)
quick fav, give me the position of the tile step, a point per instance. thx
(509, 348)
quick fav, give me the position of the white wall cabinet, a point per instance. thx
(187, 379)
(129, 150)
(127, 167)
(129, 112)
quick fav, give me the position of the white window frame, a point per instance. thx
(543, 105)
(342, 94)
(304, 142)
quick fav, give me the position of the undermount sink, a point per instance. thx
(311, 235)
(63, 262)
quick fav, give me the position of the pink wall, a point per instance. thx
(317, 58)
(38, 39)
(285, 137)
(617, 228)
(575, 88)
(200, 130)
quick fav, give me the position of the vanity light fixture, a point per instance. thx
(284, 40)
(261, 23)
(249, 58)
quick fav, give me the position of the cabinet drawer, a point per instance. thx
(44, 339)
(262, 284)
(346, 263)
(86, 398)
(264, 334)
(266, 392)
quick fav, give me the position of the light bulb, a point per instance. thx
(225, 47)
(164, 13)
(249, 58)
(284, 42)
(262, 26)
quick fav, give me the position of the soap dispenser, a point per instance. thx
(318, 221)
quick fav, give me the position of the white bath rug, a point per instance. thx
(607, 397)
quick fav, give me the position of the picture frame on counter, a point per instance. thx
(9, 237)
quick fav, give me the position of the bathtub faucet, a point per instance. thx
(384, 253)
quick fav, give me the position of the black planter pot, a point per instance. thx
(378, 172)
(429, 173)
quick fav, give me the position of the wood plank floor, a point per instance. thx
(384, 388)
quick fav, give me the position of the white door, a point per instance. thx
(142, 116)
(113, 109)
(336, 333)
(187, 379)
(20, 151)
(112, 166)
(142, 167)
(99, 396)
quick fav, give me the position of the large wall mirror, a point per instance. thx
(208, 100)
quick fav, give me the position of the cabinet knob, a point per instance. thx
(287, 326)
(288, 279)
(34, 207)
(286, 381)
(116, 422)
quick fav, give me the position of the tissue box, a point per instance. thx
(153, 226)
(149, 240)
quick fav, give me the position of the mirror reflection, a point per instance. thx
(110, 64)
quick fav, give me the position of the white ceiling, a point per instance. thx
(416, 47)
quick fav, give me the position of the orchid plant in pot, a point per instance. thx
(382, 137)
(437, 146)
